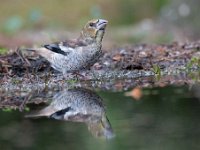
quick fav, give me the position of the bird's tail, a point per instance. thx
(28, 49)
(45, 112)
(41, 51)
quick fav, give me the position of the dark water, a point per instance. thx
(164, 118)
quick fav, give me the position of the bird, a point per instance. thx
(76, 105)
(71, 56)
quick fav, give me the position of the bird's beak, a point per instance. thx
(101, 24)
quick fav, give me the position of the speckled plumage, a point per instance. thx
(75, 55)
(76, 101)
(78, 105)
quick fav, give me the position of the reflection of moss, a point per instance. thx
(7, 109)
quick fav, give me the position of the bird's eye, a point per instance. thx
(92, 24)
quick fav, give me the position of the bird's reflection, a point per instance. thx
(78, 105)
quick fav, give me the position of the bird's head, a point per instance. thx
(94, 30)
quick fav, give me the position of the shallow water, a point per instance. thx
(163, 118)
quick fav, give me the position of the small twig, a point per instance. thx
(18, 52)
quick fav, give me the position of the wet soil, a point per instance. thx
(118, 66)
(26, 75)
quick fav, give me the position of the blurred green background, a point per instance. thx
(73, 13)
(130, 21)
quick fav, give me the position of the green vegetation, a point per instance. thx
(194, 62)
(3, 51)
(34, 14)
(156, 69)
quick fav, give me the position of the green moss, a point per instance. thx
(156, 69)
(3, 51)
(193, 62)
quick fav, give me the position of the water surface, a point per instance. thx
(163, 118)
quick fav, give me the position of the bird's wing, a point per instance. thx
(58, 48)
(59, 115)
(64, 48)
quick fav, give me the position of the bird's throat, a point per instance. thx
(99, 36)
(84, 38)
